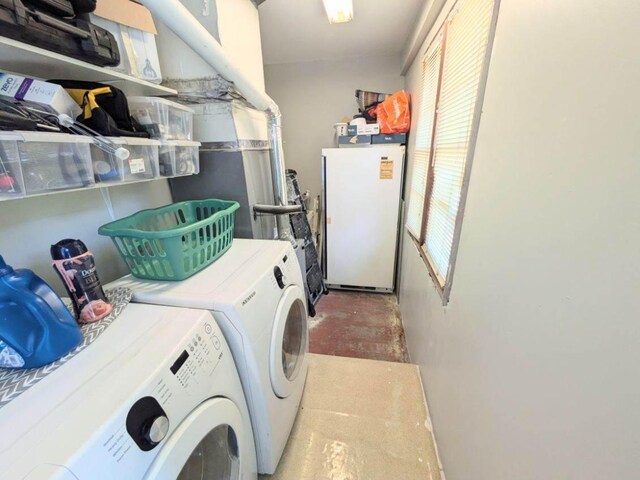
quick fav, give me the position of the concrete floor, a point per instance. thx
(360, 325)
(360, 420)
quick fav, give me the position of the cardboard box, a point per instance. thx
(354, 140)
(49, 96)
(383, 138)
(126, 12)
(368, 129)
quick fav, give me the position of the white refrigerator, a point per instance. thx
(362, 189)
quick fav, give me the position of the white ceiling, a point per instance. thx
(298, 30)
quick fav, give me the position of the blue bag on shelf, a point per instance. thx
(36, 328)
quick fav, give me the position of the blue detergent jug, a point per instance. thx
(36, 328)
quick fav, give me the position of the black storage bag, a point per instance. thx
(83, 6)
(76, 38)
(59, 8)
(105, 108)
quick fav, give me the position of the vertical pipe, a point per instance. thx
(279, 177)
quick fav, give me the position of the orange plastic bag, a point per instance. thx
(394, 114)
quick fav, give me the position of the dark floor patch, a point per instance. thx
(361, 325)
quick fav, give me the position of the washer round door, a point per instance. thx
(289, 341)
(207, 445)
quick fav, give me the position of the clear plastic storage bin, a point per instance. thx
(11, 184)
(142, 163)
(163, 118)
(138, 51)
(54, 161)
(179, 158)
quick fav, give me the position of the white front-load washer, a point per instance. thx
(256, 294)
(150, 398)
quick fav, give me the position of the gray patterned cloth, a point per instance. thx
(13, 382)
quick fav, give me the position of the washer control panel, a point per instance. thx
(199, 358)
(168, 375)
(147, 422)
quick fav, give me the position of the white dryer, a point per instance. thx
(256, 294)
(151, 398)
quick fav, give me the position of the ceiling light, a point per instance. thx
(339, 11)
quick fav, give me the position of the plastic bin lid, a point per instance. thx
(180, 143)
(142, 141)
(134, 141)
(53, 137)
(10, 137)
(160, 100)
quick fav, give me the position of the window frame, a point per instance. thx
(444, 284)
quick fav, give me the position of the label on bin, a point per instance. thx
(136, 165)
(386, 169)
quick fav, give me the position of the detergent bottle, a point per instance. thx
(36, 328)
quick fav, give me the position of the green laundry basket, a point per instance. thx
(175, 241)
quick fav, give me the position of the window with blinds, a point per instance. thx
(422, 153)
(453, 72)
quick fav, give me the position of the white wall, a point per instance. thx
(531, 371)
(234, 23)
(239, 29)
(29, 226)
(314, 96)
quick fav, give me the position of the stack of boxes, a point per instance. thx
(172, 124)
(369, 134)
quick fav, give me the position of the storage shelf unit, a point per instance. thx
(24, 59)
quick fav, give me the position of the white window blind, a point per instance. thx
(466, 42)
(430, 74)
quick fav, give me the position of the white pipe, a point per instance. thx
(277, 151)
(178, 18)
